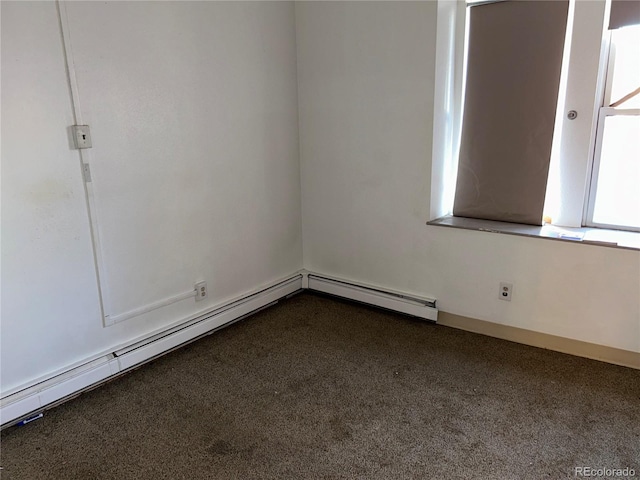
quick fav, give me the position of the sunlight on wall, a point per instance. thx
(553, 197)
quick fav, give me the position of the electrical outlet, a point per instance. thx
(201, 291)
(506, 289)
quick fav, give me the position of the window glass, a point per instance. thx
(617, 200)
(625, 45)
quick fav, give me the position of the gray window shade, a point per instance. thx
(624, 13)
(513, 78)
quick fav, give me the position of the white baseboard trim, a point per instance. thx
(23, 403)
(52, 391)
(163, 343)
(421, 307)
(58, 388)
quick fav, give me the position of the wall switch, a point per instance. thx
(82, 136)
(506, 289)
(201, 291)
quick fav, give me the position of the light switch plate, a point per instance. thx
(82, 136)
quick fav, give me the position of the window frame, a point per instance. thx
(605, 82)
(582, 91)
(593, 188)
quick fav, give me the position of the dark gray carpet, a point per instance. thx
(319, 388)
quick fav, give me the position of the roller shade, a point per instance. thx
(624, 13)
(513, 77)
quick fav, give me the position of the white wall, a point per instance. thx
(365, 80)
(366, 83)
(193, 113)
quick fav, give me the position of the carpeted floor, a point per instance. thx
(316, 388)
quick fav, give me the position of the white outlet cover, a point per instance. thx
(201, 291)
(506, 291)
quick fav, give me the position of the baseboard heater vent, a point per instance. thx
(57, 389)
(397, 301)
(135, 355)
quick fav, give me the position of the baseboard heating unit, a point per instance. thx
(420, 307)
(25, 402)
(46, 394)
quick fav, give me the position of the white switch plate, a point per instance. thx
(82, 136)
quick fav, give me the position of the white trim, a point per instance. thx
(448, 103)
(161, 344)
(422, 307)
(35, 398)
(19, 408)
(76, 384)
(305, 279)
(604, 71)
(85, 158)
(79, 378)
(164, 330)
(109, 317)
(595, 169)
(74, 381)
(56, 377)
(150, 307)
(615, 111)
(571, 162)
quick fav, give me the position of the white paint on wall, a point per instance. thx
(365, 98)
(189, 104)
(366, 94)
(50, 312)
(193, 115)
(365, 73)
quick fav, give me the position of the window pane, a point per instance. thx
(626, 70)
(617, 199)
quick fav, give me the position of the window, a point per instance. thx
(614, 197)
(594, 169)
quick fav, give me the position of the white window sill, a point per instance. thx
(585, 235)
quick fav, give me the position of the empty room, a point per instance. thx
(320, 239)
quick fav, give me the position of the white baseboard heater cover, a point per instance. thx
(410, 304)
(51, 391)
(74, 381)
(165, 342)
